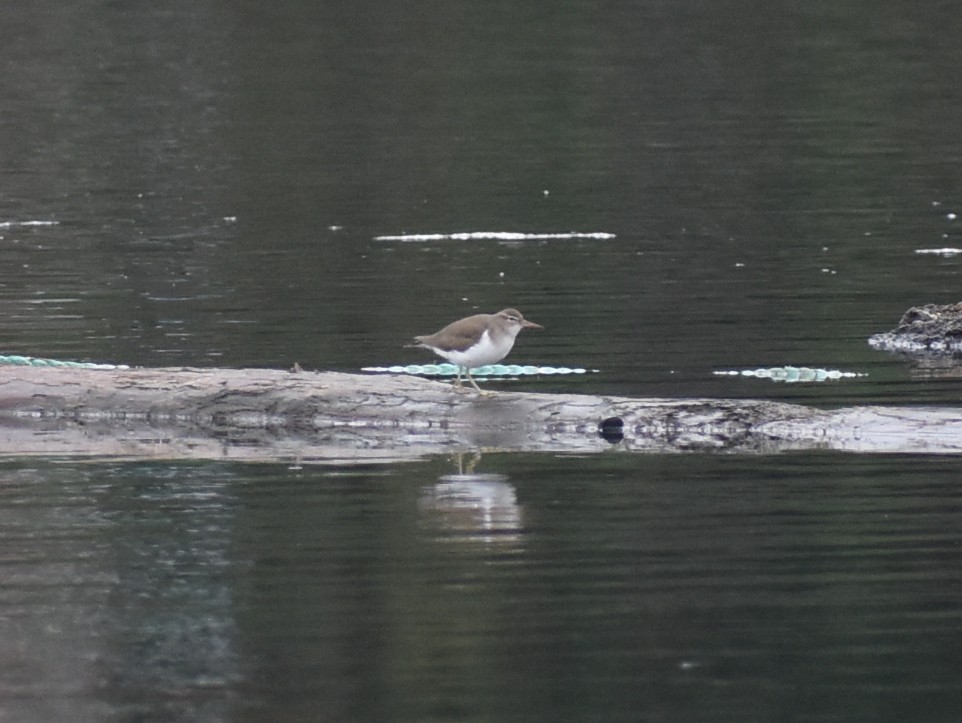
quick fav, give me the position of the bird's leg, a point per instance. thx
(457, 382)
(475, 384)
(471, 379)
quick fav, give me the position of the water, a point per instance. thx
(525, 588)
(203, 184)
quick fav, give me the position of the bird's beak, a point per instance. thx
(530, 325)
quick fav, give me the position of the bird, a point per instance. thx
(476, 341)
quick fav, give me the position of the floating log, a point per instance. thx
(926, 329)
(270, 415)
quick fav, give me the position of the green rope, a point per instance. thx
(792, 374)
(29, 361)
(492, 370)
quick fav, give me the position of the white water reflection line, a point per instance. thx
(17, 224)
(496, 235)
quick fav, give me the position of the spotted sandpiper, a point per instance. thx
(476, 341)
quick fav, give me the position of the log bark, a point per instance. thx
(254, 414)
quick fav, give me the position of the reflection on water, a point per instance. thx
(113, 586)
(473, 505)
(936, 366)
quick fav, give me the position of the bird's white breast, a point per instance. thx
(486, 351)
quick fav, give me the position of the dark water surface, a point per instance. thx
(203, 183)
(541, 588)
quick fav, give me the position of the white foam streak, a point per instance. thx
(13, 224)
(496, 235)
(941, 252)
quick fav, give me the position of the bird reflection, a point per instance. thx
(474, 505)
